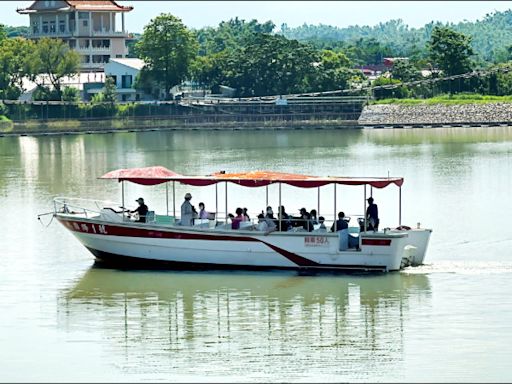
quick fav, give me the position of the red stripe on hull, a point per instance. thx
(379, 242)
(111, 230)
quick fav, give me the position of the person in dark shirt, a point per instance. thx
(341, 223)
(142, 210)
(372, 215)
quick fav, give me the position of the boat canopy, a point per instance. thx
(263, 178)
(145, 176)
(158, 175)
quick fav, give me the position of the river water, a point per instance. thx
(65, 319)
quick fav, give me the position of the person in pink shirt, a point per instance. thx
(236, 220)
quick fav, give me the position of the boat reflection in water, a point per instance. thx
(209, 316)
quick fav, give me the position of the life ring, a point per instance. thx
(403, 228)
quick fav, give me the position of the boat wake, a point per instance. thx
(462, 267)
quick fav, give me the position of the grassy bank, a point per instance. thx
(458, 99)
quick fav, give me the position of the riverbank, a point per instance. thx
(188, 123)
(488, 113)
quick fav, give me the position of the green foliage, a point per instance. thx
(449, 99)
(54, 58)
(14, 65)
(168, 48)
(391, 88)
(71, 94)
(450, 51)
(109, 92)
(229, 35)
(405, 71)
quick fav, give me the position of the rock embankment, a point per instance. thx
(435, 114)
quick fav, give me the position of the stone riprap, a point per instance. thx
(435, 114)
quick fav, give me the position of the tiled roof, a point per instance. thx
(86, 5)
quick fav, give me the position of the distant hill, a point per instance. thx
(492, 36)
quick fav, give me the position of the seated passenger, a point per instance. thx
(246, 215)
(322, 227)
(284, 219)
(236, 220)
(313, 217)
(202, 212)
(306, 220)
(339, 224)
(141, 210)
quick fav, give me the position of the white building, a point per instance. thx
(124, 72)
(91, 27)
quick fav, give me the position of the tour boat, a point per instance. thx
(108, 232)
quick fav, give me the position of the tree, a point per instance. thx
(109, 92)
(450, 51)
(71, 94)
(168, 48)
(404, 71)
(14, 65)
(54, 60)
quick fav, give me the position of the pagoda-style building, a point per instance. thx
(91, 27)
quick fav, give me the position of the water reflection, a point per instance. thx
(360, 318)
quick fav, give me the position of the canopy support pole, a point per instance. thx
(216, 202)
(318, 205)
(335, 220)
(122, 195)
(167, 198)
(226, 202)
(364, 208)
(279, 208)
(266, 200)
(400, 205)
(174, 199)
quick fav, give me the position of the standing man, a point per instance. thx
(187, 211)
(372, 215)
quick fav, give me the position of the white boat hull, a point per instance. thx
(193, 248)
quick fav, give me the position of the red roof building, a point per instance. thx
(94, 28)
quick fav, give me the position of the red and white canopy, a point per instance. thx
(145, 176)
(158, 175)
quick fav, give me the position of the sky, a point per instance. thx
(197, 14)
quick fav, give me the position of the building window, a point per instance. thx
(45, 27)
(85, 59)
(123, 97)
(35, 27)
(52, 27)
(99, 59)
(101, 43)
(62, 26)
(85, 23)
(126, 81)
(83, 15)
(83, 44)
(72, 44)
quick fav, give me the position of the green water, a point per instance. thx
(64, 319)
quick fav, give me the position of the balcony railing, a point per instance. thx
(82, 32)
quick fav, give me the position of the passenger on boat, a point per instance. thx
(269, 219)
(322, 227)
(202, 213)
(284, 220)
(372, 215)
(187, 211)
(236, 220)
(246, 215)
(141, 210)
(313, 216)
(339, 224)
(306, 220)
(265, 224)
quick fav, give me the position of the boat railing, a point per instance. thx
(84, 207)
